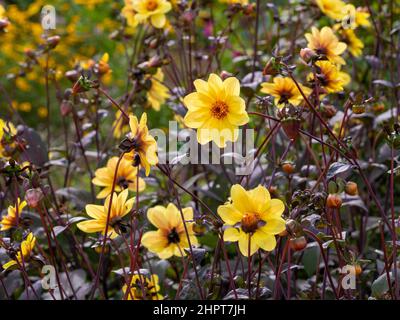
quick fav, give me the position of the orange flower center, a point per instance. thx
(250, 222)
(151, 5)
(219, 110)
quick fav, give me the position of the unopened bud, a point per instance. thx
(334, 201)
(33, 197)
(4, 23)
(298, 244)
(225, 74)
(65, 108)
(53, 41)
(307, 54)
(72, 75)
(351, 188)
(288, 168)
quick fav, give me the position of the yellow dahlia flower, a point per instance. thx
(153, 10)
(362, 17)
(252, 217)
(170, 238)
(334, 9)
(143, 148)
(216, 110)
(326, 43)
(354, 44)
(140, 282)
(330, 77)
(126, 177)
(120, 207)
(13, 213)
(129, 14)
(24, 254)
(158, 93)
(285, 91)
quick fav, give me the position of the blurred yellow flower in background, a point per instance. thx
(324, 42)
(252, 218)
(120, 207)
(354, 44)
(216, 110)
(158, 92)
(284, 90)
(126, 177)
(334, 9)
(242, 2)
(153, 10)
(129, 14)
(170, 239)
(120, 125)
(24, 254)
(148, 284)
(11, 220)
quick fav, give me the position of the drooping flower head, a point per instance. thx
(158, 92)
(252, 217)
(216, 110)
(126, 177)
(334, 9)
(148, 284)
(141, 146)
(170, 238)
(11, 220)
(24, 254)
(152, 10)
(326, 44)
(120, 207)
(330, 77)
(284, 90)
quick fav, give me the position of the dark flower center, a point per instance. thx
(123, 182)
(284, 97)
(173, 236)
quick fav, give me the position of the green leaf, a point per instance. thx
(310, 258)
